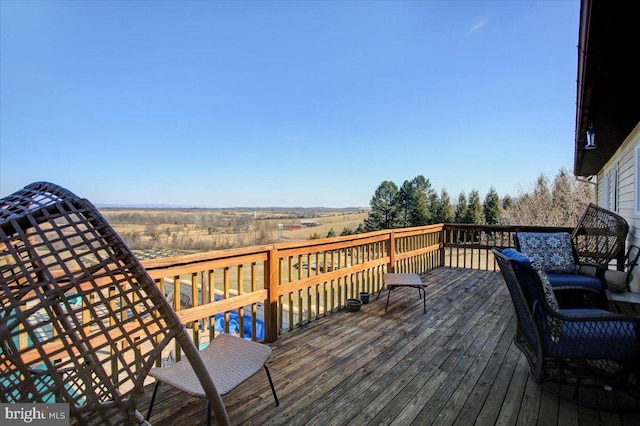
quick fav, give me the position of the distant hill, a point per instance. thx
(299, 210)
(138, 206)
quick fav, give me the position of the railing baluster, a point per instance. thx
(254, 307)
(225, 295)
(240, 293)
(212, 295)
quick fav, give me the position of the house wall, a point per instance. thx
(619, 174)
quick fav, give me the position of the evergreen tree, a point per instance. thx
(507, 202)
(412, 202)
(384, 212)
(435, 209)
(331, 233)
(346, 231)
(446, 214)
(475, 213)
(462, 208)
(491, 207)
(404, 203)
(420, 211)
(420, 214)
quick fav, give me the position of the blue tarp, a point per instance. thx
(234, 325)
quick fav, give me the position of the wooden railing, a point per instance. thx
(469, 246)
(263, 291)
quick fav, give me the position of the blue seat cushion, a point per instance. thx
(516, 255)
(594, 339)
(576, 280)
(525, 278)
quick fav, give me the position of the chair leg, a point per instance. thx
(388, 295)
(273, 389)
(209, 414)
(153, 398)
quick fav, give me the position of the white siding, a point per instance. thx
(636, 175)
(628, 189)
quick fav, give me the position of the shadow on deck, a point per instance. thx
(456, 364)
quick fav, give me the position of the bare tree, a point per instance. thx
(550, 203)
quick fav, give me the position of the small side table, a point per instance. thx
(392, 281)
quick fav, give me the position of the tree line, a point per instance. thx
(549, 202)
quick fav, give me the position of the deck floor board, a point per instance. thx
(456, 364)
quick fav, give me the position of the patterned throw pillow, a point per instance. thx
(555, 325)
(553, 250)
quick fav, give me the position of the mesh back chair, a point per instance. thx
(572, 349)
(600, 235)
(81, 322)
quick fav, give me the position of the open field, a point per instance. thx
(215, 229)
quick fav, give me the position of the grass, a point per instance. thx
(203, 229)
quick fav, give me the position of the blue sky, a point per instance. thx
(289, 103)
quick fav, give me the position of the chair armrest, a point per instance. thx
(570, 297)
(574, 290)
(594, 270)
(592, 334)
(593, 315)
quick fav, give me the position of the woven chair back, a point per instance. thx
(600, 235)
(81, 322)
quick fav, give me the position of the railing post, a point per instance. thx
(391, 249)
(271, 304)
(443, 235)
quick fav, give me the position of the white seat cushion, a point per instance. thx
(616, 280)
(229, 360)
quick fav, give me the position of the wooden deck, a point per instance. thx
(456, 364)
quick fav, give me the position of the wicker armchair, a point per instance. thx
(569, 349)
(81, 322)
(576, 284)
(600, 235)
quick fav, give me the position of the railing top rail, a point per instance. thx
(506, 228)
(320, 244)
(187, 259)
(355, 237)
(415, 229)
